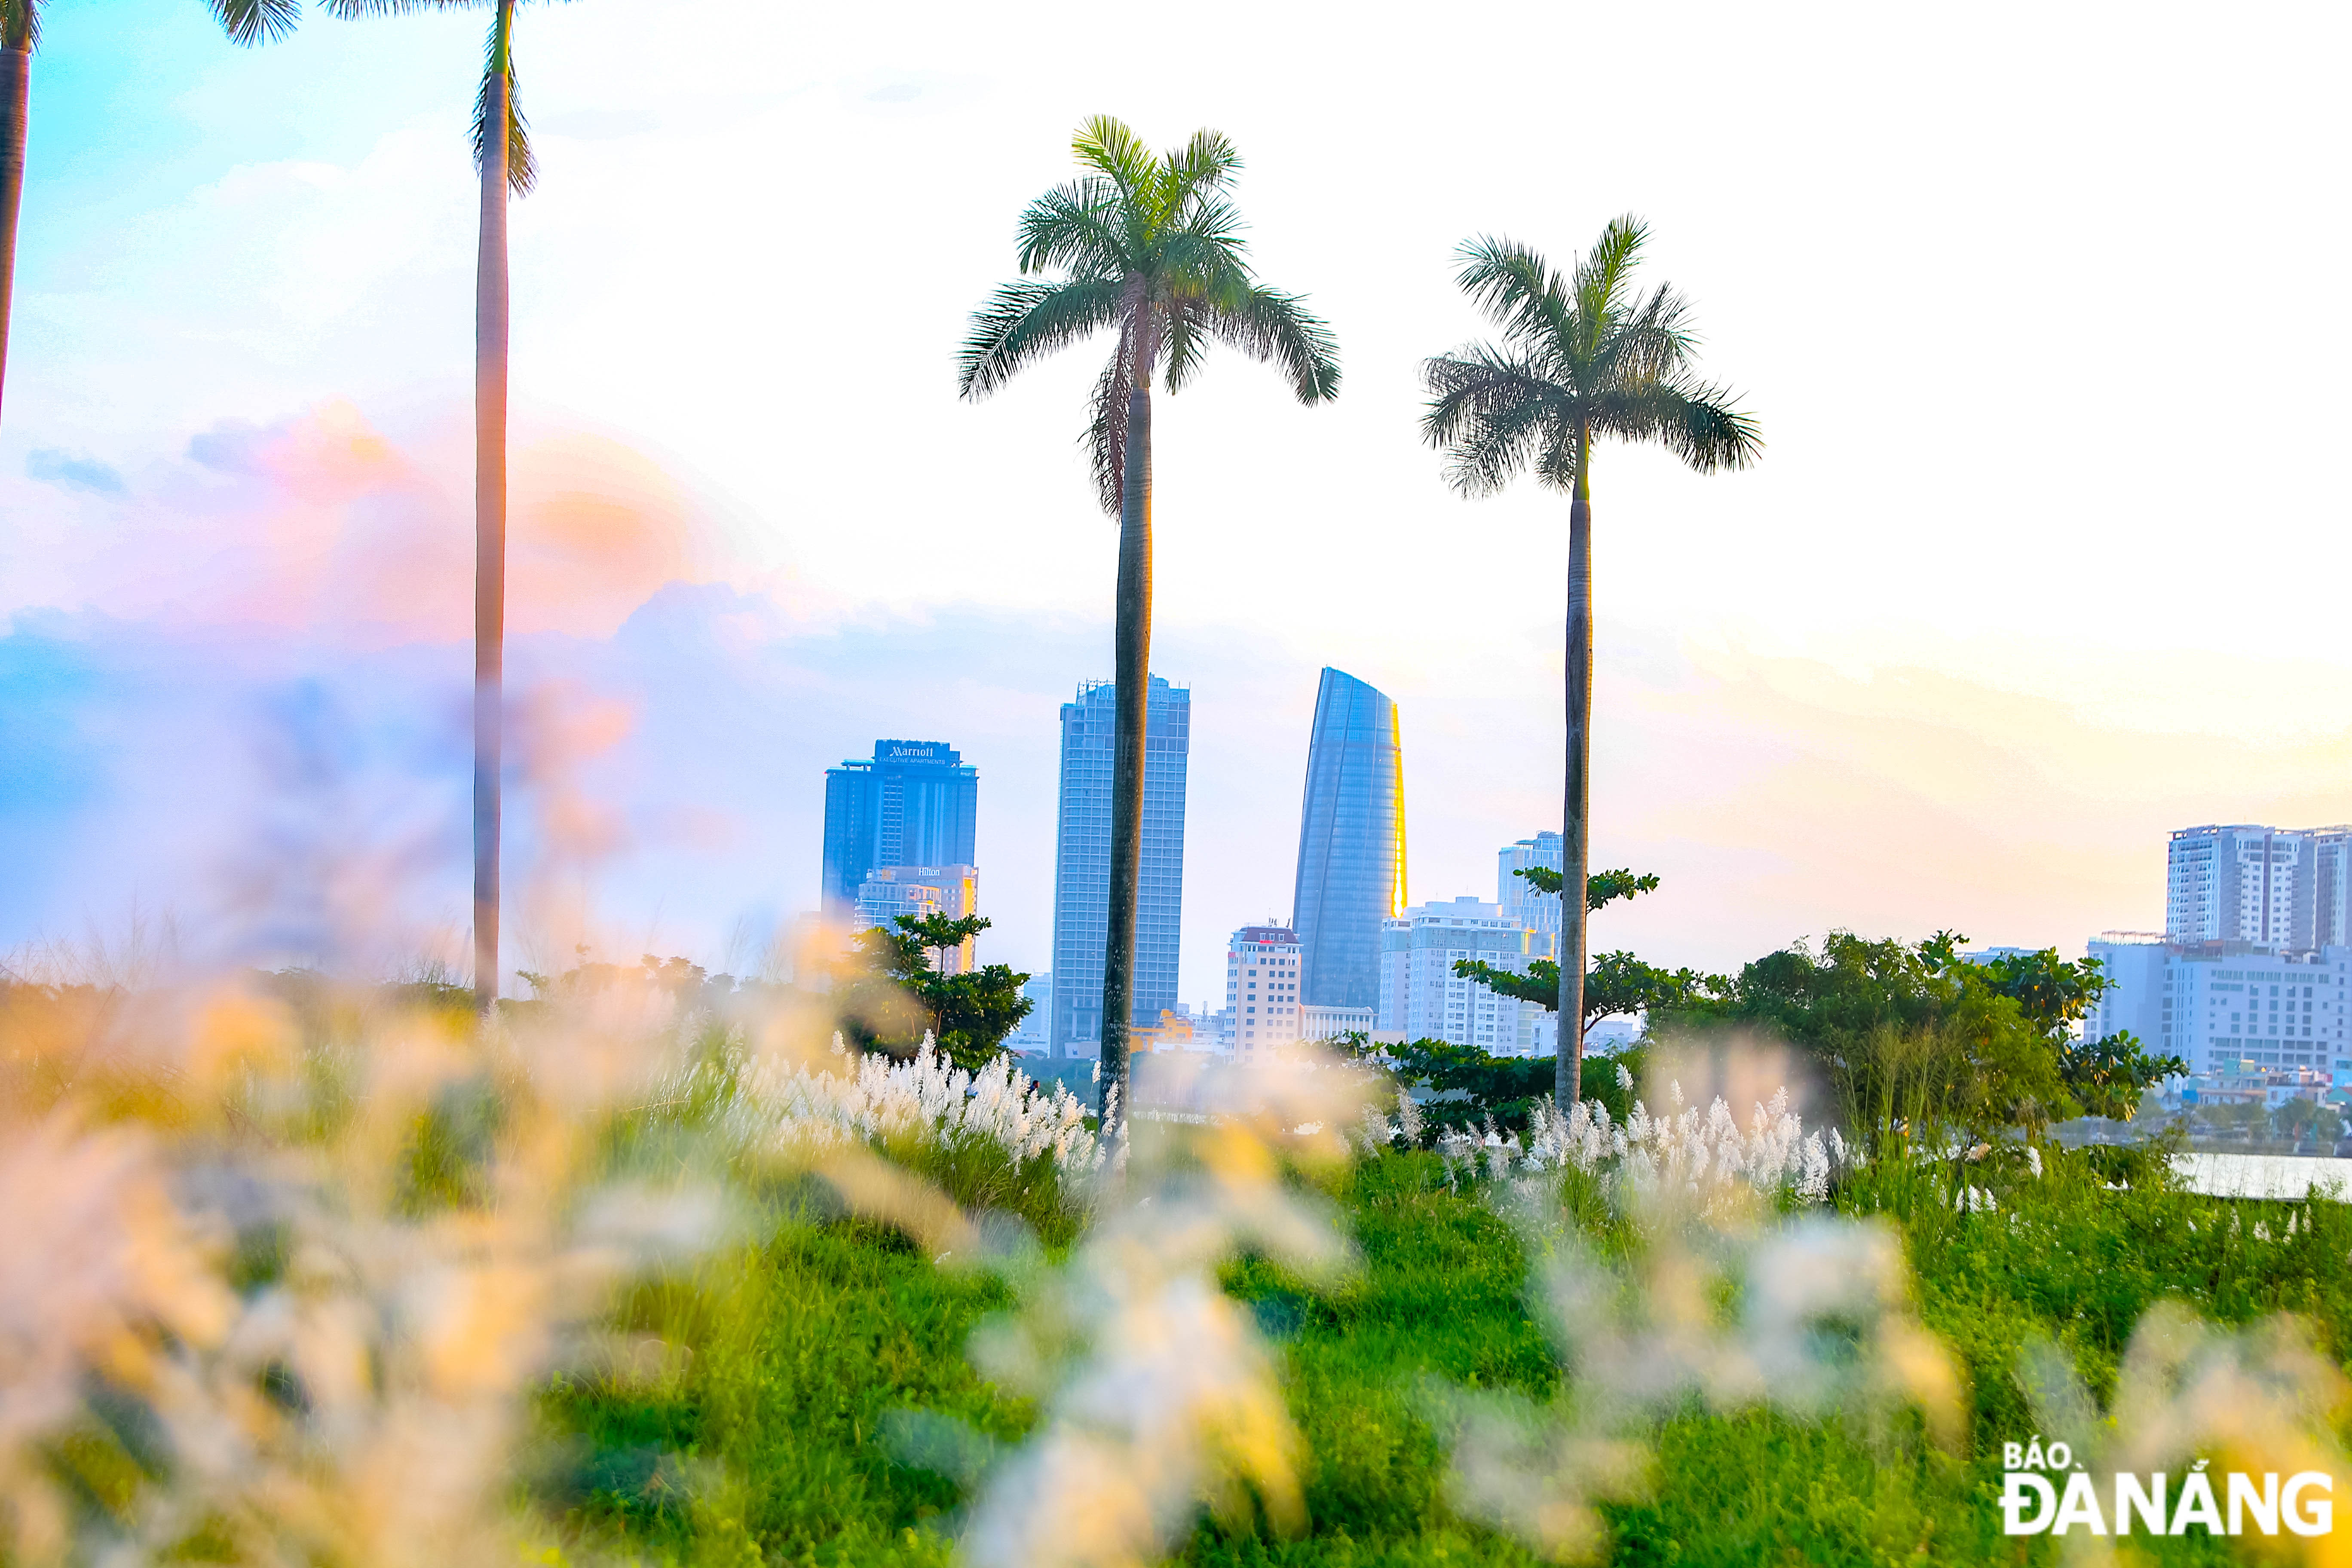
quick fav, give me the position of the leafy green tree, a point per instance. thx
(245, 21)
(1148, 246)
(505, 165)
(1600, 889)
(1915, 1034)
(968, 1015)
(1582, 357)
(2110, 1075)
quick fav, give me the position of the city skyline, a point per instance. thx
(266, 528)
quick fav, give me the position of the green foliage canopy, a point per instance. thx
(968, 1014)
(1914, 1032)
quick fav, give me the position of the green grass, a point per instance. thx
(766, 1443)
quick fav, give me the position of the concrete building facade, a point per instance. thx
(889, 891)
(1262, 990)
(913, 803)
(1421, 998)
(2227, 1006)
(2284, 888)
(1082, 862)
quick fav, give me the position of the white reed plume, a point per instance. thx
(1687, 1158)
(355, 1398)
(867, 1098)
(2260, 1399)
(1159, 1396)
(1823, 1320)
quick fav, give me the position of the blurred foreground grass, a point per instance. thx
(765, 1435)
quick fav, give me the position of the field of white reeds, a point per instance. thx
(301, 1273)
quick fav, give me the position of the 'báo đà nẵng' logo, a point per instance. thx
(2043, 1491)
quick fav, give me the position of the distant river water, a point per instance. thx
(2264, 1175)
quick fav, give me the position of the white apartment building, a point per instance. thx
(1421, 998)
(2222, 1007)
(1262, 991)
(1330, 1022)
(2283, 887)
(889, 891)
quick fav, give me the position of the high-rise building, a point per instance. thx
(914, 802)
(2240, 883)
(1537, 912)
(1262, 990)
(1350, 842)
(1082, 861)
(1421, 998)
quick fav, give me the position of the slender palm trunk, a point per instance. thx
(490, 521)
(1575, 808)
(1132, 673)
(16, 102)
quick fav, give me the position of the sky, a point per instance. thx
(2036, 306)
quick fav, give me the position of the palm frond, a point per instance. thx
(355, 10)
(1075, 225)
(250, 22)
(1601, 278)
(1026, 320)
(1105, 436)
(1521, 293)
(1273, 327)
(1105, 145)
(1492, 414)
(20, 25)
(1650, 343)
(522, 168)
(1694, 422)
(1204, 267)
(1207, 162)
(1184, 343)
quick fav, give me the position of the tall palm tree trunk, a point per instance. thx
(15, 108)
(1132, 673)
(490, 519)
(1575, 810)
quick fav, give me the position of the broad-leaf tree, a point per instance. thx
(1146, 247)
(503, 159)
(1584, 356)
(245, 21)
(968, 1014)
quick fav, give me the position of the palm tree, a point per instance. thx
(502, 157)
(1149, 247)
(1582, 357)
(245, 21)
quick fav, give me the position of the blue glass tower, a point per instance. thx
(1082, 861)
(1351, 843)
(916, 803)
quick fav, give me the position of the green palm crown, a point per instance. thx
(1148, 246)
(1582, 356)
